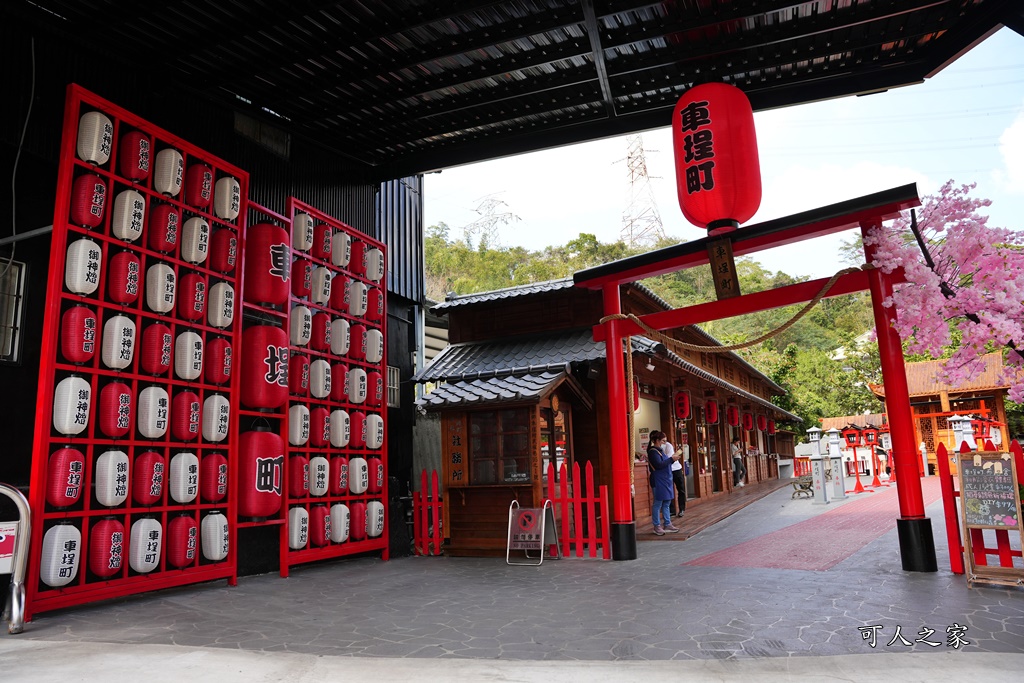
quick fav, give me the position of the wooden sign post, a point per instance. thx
(990, 499)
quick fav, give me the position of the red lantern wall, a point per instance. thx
(718, 174)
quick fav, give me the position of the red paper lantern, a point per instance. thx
(339, 475)
(88, 198)
(357, 262)
(182, 541)
(78, 334)
(357, 530)
(357, 345)
(264, 367)
(217, 363)
(319, 525)
(340, 288)
(374, 388)
(376, 481)
(321, 336)
(732, 416)
(718, 174)
(213, 477)
(164, 221)
(339, 382)
(762, 423)
(191, 296)
(198, 185)
(260, 473)
(302, 278)
(267, 264)
(156, 349)
(771, 427)
(134, 155)
(64, 477)
(298, 375)
(115, 410)
(123, 277)
(148, 474)
(298, 476)
(711, 412)
(322, 241)
(186, 416)
(748, 422)
(106, 548)
(682, 405)
(636, 395)
(374, 304)
(223, 251)
(358, 438)
(319, 427)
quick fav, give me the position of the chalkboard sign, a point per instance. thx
(989, 493)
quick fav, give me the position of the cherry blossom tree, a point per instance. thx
(969, 276)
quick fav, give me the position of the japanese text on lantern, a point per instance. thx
(698, 146)
(455, 445)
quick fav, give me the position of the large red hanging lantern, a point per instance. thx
(106, 547)
(298, 375)
(732, 416)
(748, 421)
(163, 227)
(191, 296)
(88, 197)
(322, 241)
(260, 473)
(771, 427)
(682, 405)
(762, 423)
(213, 477)
(115, 409)
(223, 250)
(302, 278)
(339, 475)
(198, 185)
(185, 416)
(718, 175)
(319, 525)
(123, 277)
(267, 264)
(156, 349)
(298, 476)
(148, 478)
(711, 412)
(134, 155)
(357, 530)
(78, 334)
(264, 376)
(375, 483)
(64, 477)
(217, 364)
(182, 541)
(320, 338)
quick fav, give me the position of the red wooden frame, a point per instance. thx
(312, 553)
(85, 587)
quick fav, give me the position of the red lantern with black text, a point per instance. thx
(298, 476)
(223, 251)
(374, 388)
(298, 375)
(322, 241)
(357, 438)
(339, 382)
(213, 477)
(762, 423)
(64, 477)
(164, 220)
(78, 334)
(771, 427)
(732, 416)
(185, 416)
(319, 525)
(748, 422)
(88, 198)
(106, 548)
(148, 475)
(123, 278)
(320, 340)
(718, 173)
(374, 304)
(267, 264)
(115, 411)
(357, 261)
(264, 380)
(302, 278)
(217, 364)
(711, 412)
(339, 475)
(340, 289)
(156, 349)
(636, 395)
(357, 530)
(682, 405)
(198, 185)
(182, 541)
(191, 296)
(134, 155)
(260, 473)
(375, 483)
(319, 427)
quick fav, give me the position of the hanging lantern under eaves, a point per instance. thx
(748, 421)
(711, 412)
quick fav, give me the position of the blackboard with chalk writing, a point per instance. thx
(989, 492)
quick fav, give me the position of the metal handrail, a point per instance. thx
(14, 609)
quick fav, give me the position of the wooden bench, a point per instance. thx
(803, 486)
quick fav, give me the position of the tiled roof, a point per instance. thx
(454, 300)
(924, 378)
(872, 420)
(492, 390)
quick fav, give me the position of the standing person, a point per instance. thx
(677, 478)
(659, 466)
(739, 472)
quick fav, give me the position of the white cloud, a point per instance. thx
(1011, 146)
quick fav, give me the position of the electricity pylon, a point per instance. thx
(641, 222)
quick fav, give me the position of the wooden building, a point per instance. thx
(522, 384)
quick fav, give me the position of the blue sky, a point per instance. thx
(965, 123)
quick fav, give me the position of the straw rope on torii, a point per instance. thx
(676, 343)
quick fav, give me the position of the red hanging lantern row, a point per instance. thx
(762, 423)
(78, 334)
(217, 363)
(298, 476)
(64, 477)
(748, 421)
(182, 541)
(264, 380)
(134, 155)
(771, 427)
(319, 525)
(711, 412)
(682, 405)
(199, 186)
(88, 198)
(260, 473)
(267, 264)
(163, 228)
(156, 349)
(213, 477)
(223, 251)
(732, 416)
(115, 409)
(106, 547)
(123, 278)
(718, 174)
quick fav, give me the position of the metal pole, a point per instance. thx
(26, 235)
(14, 610)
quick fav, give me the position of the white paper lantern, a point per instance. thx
(374, 346)
(195, 240)
(215, 536)
(341, 336)
(188, 356)
(321, 286)
(356, 387)
(72, 400)
(340, 519)
(341, 249)
(298, 528)
(341, 428)
(374, 518)
(302, 231)
(221, 308)
(183, 479)
(320, 378)
(168, 172)
(358, 475)
(301, 325)
(95, 138)
(374, 264)
(216, 418)
(227, 198)
(374, 431)
(111, 478)
(62, 550)
(129, 212)
(298, 425)
(357, 299)
(319, 475)
(145, 545)
(154, 410)
(82, 267)
(118, 346)
(160, 288)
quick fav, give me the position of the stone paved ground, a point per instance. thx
(651, 609)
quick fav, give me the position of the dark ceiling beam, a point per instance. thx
(1013, 19)
(597, 56)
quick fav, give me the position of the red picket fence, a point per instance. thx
(580, 531)
(427, 512)
(954, 539)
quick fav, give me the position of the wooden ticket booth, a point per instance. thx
(498, 436)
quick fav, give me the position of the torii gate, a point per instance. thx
(917, 545)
